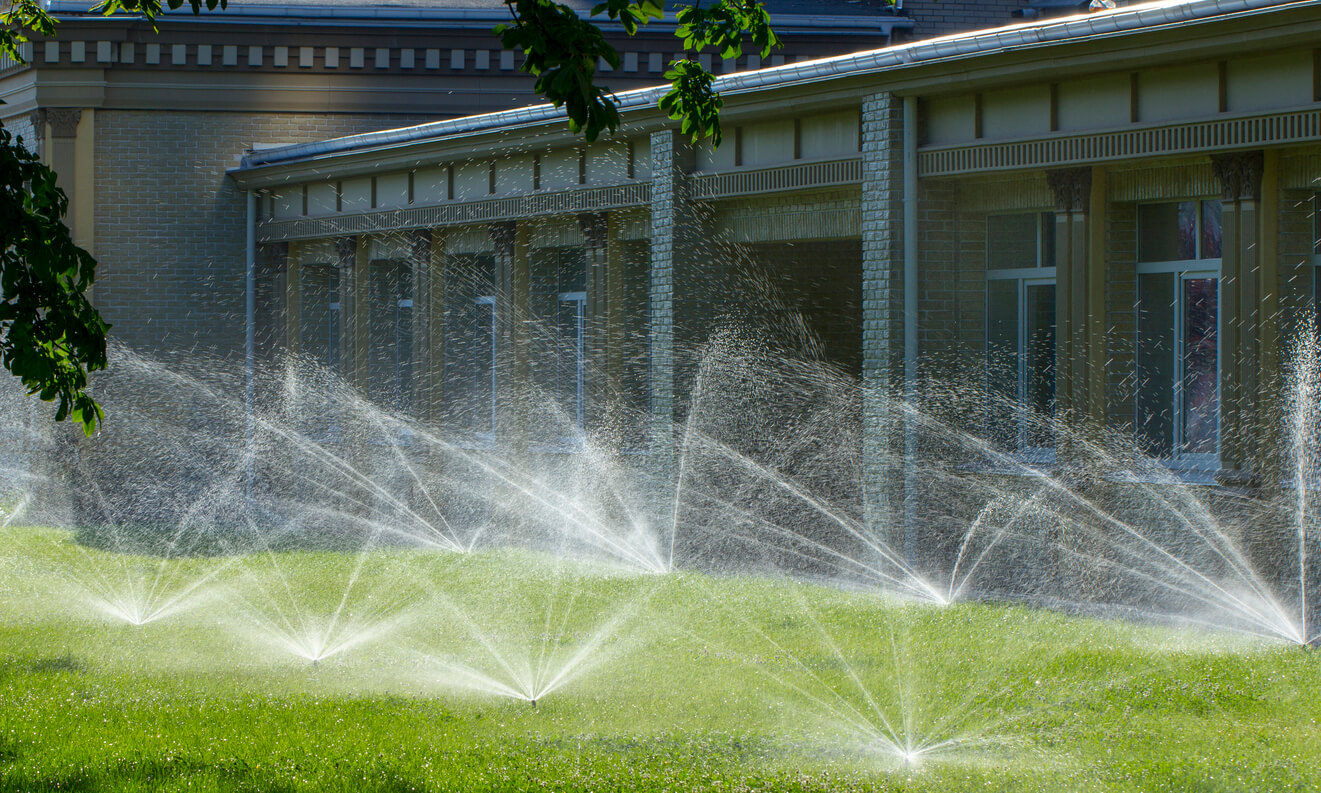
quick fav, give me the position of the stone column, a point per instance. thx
(882, 311)
(1240, 313)
(671, 161)
(1072, 188)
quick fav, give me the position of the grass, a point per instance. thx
(679, 682)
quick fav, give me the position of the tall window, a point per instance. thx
(1020, 329)
(559, 302)
(1178, 350)
(318, 314)
(390, 333)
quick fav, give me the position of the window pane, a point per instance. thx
(1047, 239)
(1211, 233)
(318, 315)
(1167, 232)
(569, 359)
(1155, 364)
(1002, 361)
(1011, 241)
(1201, 403)
(1040, 310)
(389, 365)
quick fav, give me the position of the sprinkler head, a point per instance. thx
(534, 703)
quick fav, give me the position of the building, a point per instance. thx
(142, 126)
(1110, 216)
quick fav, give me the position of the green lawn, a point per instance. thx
(677, 682)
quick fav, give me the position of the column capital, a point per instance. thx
(502, 234)
(63, 121)
(38, 121)
(1072, 188)
(345, 249)
(1239, 174)
(594, 226)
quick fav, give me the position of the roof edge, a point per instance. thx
(961, 45)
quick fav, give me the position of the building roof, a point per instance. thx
(794, 13)
(1039, 32)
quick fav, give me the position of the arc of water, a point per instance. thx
(791, 487)
(1236, 562)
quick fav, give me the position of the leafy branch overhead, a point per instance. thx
(563, 50)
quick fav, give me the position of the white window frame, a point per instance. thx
(1185, 270)
(1025, 276)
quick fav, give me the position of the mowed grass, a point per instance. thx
(677, 682)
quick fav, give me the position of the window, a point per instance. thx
(1020, 330)
(319, 345)
(1178, 354)
(559, 302)
(390, 334)
(483, 368)
(318, 315)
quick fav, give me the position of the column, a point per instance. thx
(512, 315)
(595, 229)
(69, 149)
(671, 161)
(352, 310)
(882, 310)
(1072, 188)
(1240, 175)
(292, 302)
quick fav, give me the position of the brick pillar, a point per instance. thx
(1240, 297)
(671, 224)
(882, 309)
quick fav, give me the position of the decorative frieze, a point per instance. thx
(1233, 133)
(594, 199)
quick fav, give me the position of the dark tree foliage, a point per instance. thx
(53, 337)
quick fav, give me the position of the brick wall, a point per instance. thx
(170, 226)
(943, 17)
(21, 127)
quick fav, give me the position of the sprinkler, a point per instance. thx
(534, 703)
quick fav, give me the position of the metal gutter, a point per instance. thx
(959, 46)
